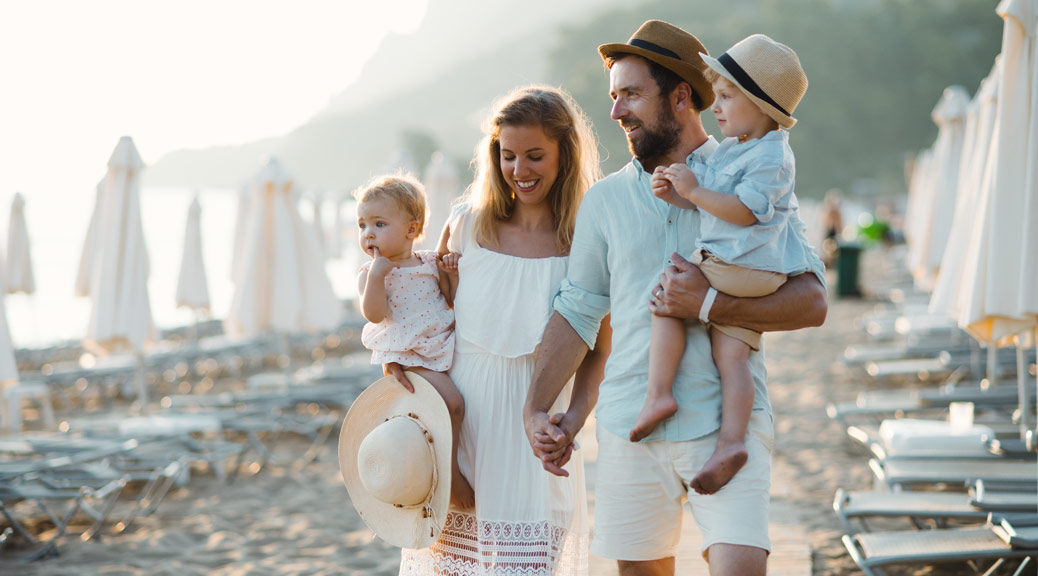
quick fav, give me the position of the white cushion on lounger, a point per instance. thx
(904, 436)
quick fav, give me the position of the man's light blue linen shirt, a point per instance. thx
(623, 237)
(761, 173)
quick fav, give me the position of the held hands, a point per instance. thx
(661, 185)
(550, 440)
(681, 290)
(682, 180)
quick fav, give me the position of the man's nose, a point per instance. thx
(618, 110)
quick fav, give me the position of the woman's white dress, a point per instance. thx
(526, 521)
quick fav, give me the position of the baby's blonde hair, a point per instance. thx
(404, 190)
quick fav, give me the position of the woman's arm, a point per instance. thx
(448, 262)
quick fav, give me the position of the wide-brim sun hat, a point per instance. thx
(769, 73)
(395, 458)
(670, 47)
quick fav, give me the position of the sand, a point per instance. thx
(297, 519)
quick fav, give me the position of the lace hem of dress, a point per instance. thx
(501, 549)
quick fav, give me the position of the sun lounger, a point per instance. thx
(995, 496)
(97, 499)
(924, 509)
(909, 473)
(992, 542)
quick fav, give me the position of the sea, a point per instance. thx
(57, 223)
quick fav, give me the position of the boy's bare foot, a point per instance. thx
(656, 410)
(462, 494)
(720, 468)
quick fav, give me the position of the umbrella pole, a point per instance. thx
(1022, 389)
(992, 365)
(142, 385)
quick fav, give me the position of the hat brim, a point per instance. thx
(688, 72)
(404, 527)
(784, 120)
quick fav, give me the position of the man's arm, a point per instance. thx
(800, 303)
(560, 354)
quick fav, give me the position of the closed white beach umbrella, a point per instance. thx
(117, 264)
(999, 268)
(917, 212)
(318, 225)
(937, 214)
(89, 250)
(281, 285)
(192, 283)
(333, 241)
(241, 217)
(1000, 264)
(441, 188)
(19, 257)
(8, 368)
(980, 125)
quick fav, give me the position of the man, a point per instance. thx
(623, 235)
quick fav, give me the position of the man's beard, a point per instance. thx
(658, 141)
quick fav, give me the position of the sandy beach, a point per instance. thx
(297, 519)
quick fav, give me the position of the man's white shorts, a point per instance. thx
(640, 489)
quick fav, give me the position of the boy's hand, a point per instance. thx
(381, 265)
(661, 185)
(681, 178)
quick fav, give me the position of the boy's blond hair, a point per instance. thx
(404, 190)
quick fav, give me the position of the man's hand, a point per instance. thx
(681, 290)
(550, 441)
(396, 371)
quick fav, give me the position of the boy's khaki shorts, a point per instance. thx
(641, 488)
(740, 282)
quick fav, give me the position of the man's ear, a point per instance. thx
(681, 97)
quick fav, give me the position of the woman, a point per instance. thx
(513, 232)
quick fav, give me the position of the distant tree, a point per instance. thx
(876, 69)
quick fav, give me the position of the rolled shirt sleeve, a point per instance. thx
(583, 298)
(763, 186)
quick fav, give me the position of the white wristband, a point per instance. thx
(708, 303)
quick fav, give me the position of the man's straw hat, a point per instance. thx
(670, 47)
(768, 73)
(395, 458)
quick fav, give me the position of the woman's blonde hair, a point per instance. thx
(404, 190)
(564, 122)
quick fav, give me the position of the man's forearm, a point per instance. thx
(560, 353)
(800, 303)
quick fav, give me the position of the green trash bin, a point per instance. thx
(847, 263)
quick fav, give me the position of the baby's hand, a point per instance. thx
(381, 265)
(449, 262)
(661, 185)
(682, 179)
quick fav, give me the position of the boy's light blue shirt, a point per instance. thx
(622, 237)
(761, 172)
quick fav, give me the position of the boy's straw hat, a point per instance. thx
(768, 73)
(395, 458)
(670, 47)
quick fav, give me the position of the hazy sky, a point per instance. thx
(75, 75)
